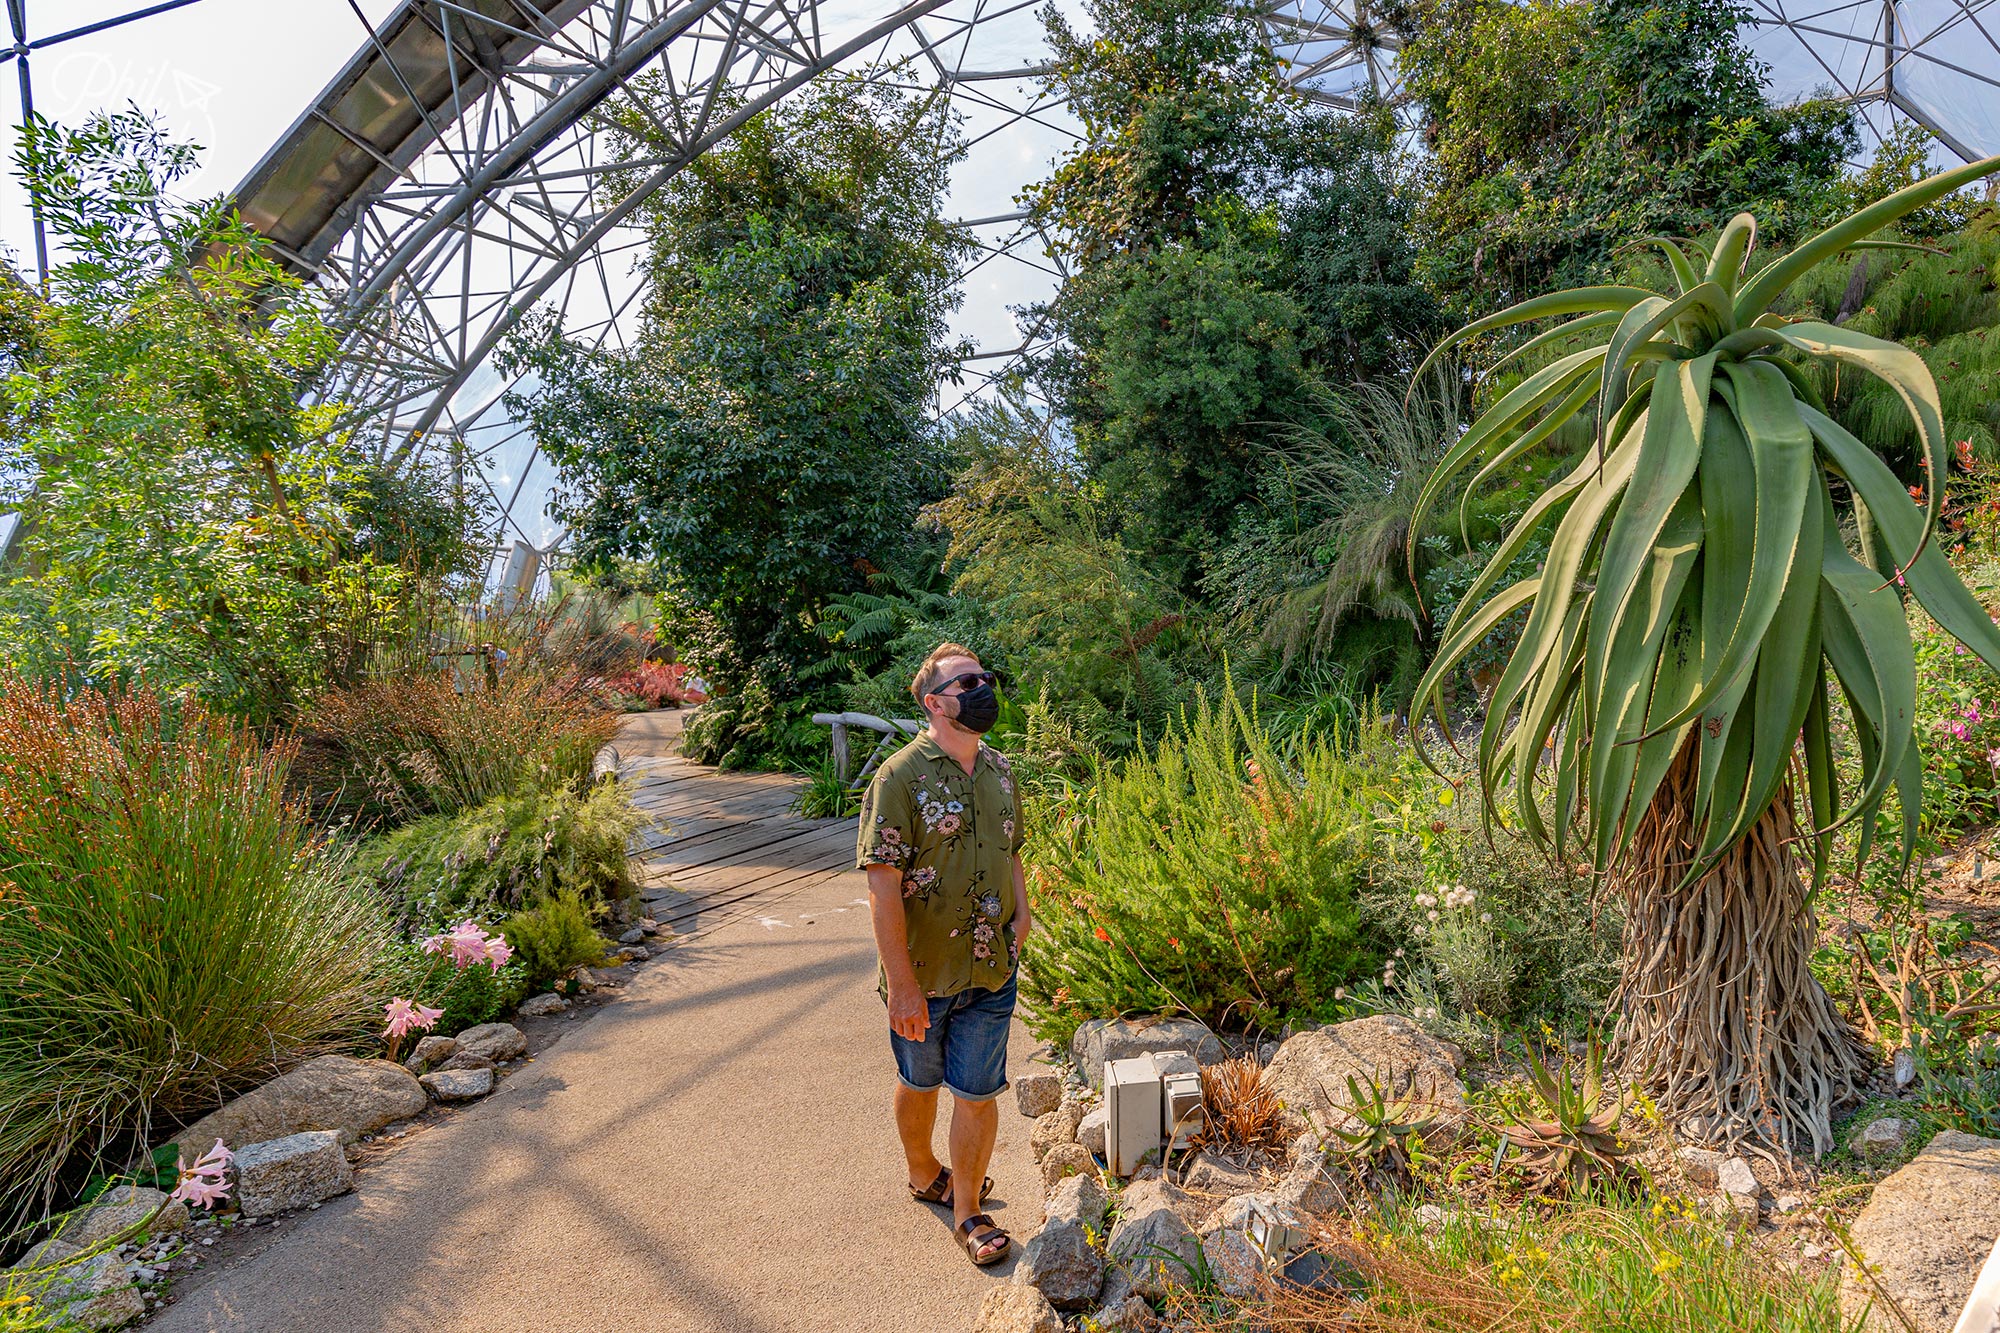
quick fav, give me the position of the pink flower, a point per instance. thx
(1993, 757)
(404, 1015)
(205, 1183)
(469, 944)
(948, 825)
(1957, 730)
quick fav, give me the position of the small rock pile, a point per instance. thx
(1113, 1254)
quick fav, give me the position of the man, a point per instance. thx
(940, 840)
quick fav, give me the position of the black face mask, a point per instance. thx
(978, 709)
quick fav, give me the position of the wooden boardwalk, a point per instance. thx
(730, 847)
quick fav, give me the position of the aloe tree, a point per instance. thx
(1724, 571)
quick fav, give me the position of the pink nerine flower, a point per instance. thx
(205, 1183)
(405, 1014)
(469, 944)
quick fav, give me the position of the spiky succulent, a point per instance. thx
(1383, 1128)
(1698, 584)
(1575, 1141)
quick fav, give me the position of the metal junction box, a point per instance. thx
(1132, 1102)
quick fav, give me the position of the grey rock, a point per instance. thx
(1060, 1262)
(1903, 1069)
(464, 1060)
(633, 953)
(1100, 1040)
(1312, 1189)
(1037, 1094)
(430, 1053)
(495, 1041)
(90, 1293)
(1235, 1214)
(1266, 1051)
(121, 1207)
(1064, 1161)
(336, 1092)
(1789, 1203)
(291, 1172)
(1090, 1129)
(1015, 1309)
(1216, 1177)
(1156, 1192)
(1306, 1147)
(1882, 1137)
(1128, 1314)
(1700, 1165)
(1926, 1231)
(1058, 1126)
(1234, 1262)
(1310, 1072)
(1079, 1199)
(1153, 1243)
(458, 1085)
(636, 935)
(1735, 1178)
(541, 1006)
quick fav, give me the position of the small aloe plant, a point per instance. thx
(1575, 1142)
(1384, 1128)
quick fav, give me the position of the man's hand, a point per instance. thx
(909, 1011)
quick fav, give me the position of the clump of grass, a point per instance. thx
(1633, 1264)
(826, 794)
(170, 932)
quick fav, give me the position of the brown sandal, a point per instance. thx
(936, 1191)
(976, 1248)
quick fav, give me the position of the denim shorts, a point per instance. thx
(964, 1050)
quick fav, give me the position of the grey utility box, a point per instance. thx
(1132, 1101)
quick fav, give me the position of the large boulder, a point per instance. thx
(120, 1207)
(1060, 1262)
(1064, 1161)
(1310, 1071)
(292, 1172)
(1217, 1177)
(87, 1293)
(1152, 1242)
(1037, 1094)
(1234, 1263)
(1057, 1126)
(1101, 1039)
(458, 1085)
(1011, 1309)
(334, 1092)
(1926, 1232)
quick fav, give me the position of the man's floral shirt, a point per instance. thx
(954, 836)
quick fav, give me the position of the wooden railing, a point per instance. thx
(893, 732)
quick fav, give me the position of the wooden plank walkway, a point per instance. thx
(730, 847)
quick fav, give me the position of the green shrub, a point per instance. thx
(168, 932)
(1207, 876)
(553, 936)
(826, 794)
(1526, 941)
(503, 854)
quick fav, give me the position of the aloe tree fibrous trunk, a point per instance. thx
(1719, 1013)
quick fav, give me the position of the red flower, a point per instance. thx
(1102, 935)
(1176, 943)
(1917, 494)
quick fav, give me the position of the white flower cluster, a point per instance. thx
(1447, 897)
(1422, 1013)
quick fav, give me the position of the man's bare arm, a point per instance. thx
(909, 1011)
(1024, 915)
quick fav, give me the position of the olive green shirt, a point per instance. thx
(954, 836)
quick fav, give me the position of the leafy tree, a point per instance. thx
(766, 439)
(1698, 617)
(185, 518)
(1223, 234)
(1559, 129)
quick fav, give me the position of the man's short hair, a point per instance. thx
(926, 675)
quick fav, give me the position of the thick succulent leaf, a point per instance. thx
(1686, 276)
(1905, 372)
(1517, 405)
(1569, 769)
(1732, 248)
(1546, 705)
(1867, 640)
(1669, 452)
(1563, 332)
(1763, 289)
(1726, 763)
(1633, 662)
(1822, 779)
(1929, 575)
(1577, 301)
(1910, 796)
(1457, 643)
(1678, 678)
(1762, 408)
(1551, 422)
(1641, 323)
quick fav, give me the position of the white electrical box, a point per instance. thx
(1132, 1102)
(1274, 1237)
(1181, 1111)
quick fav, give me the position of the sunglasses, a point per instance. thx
(969, 680)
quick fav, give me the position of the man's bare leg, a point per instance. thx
(974, 1126)
(916, 1119)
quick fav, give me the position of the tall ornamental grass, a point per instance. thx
(1208, 876)
(169, 932)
